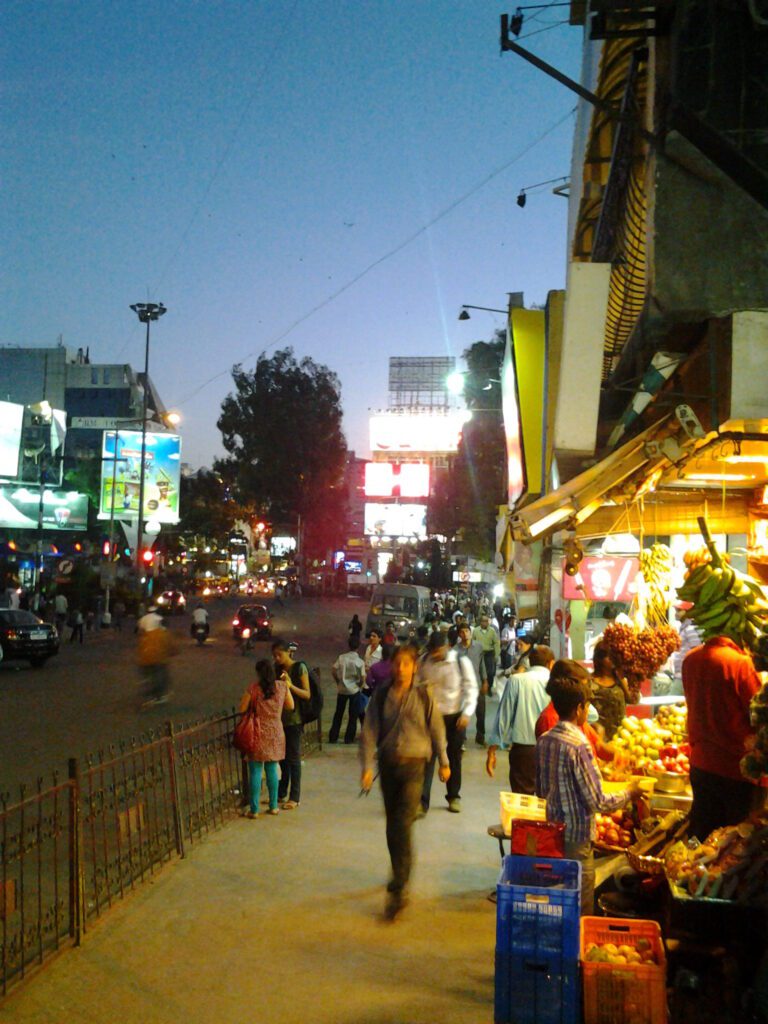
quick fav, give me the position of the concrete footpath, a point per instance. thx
(279, 920)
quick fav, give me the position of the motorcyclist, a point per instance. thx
(200, 618)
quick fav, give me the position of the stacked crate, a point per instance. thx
(624, 993)
(537, 941)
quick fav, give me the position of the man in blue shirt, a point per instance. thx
(524, 698)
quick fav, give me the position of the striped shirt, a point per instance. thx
(568, 779)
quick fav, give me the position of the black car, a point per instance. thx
(24, 636)
(171, 602)
(255, 617)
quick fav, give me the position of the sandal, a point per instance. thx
(249, 814)
(289, 805)
(273, 810)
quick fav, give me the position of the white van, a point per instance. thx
(405, 605)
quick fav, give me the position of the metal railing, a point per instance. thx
(71, 850)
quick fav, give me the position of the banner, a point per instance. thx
(62, 510)
(121, 471)
(11, 418)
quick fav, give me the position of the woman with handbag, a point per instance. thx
(259, 735)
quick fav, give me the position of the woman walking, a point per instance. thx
(266, 697)
(404, 728)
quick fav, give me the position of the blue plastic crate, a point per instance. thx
(537, 907)
(536, 990)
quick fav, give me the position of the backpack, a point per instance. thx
(310, 709)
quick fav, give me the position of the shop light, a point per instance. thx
(588, 510)
(745, 458)
(719, 477)
(558, 516)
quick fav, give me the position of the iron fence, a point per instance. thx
(70, 850)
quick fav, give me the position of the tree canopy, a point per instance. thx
(281, 428)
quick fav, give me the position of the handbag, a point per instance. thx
(537, 838)
(244, 736)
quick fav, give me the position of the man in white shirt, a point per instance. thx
(200, 618)
(349, 673)
(455, 689)
(60, 607)
(524, 698)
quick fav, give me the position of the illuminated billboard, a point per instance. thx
(392, 520)
(417, 431)
(11, 419)
(121, 473)
(62, 510)
(408, 480)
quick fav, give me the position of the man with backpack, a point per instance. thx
(296, 676)
(349, 674)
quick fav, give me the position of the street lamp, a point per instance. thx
(464, 315)
(146, 312)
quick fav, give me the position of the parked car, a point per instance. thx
(255, 617)
(24, 636)
(171, 602)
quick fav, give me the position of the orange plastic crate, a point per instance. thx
(618, 993)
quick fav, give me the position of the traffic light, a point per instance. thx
(147, 556)
(106, 549)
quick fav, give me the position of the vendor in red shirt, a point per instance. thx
(719, 680)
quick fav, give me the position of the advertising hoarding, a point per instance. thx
(62, 510)
(392, 520)
(11, 419)
(162, 465)
(417, 431)
(385, 479)
(282, 546)
(602, 578)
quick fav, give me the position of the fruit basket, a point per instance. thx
(646, 856)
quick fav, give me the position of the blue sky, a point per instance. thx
(243, 162)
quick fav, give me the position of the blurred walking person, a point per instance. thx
(403, 728)
(267, 697)
(155, 649)
(489, 639)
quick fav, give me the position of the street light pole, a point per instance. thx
(146, 312)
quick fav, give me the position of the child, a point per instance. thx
(567, 776)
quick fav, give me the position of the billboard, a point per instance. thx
(392, 520)
(121, 471)
(11, 419)
(417, 431)
(385, 479)
(602, 578)
(62, 510)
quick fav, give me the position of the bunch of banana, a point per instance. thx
(725, 602)
(656, 567)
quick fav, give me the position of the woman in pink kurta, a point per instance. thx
(267, 696)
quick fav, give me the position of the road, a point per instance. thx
(87, 697)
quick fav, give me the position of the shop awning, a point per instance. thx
(666, 512)
(577, 500)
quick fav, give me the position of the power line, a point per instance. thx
(389, 254)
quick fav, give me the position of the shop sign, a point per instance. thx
(602, 578)
(464, 576)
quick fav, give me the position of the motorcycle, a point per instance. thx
(247, 640)
(200, 632)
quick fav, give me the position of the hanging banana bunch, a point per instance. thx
(654, 596)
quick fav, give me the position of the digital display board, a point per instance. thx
(11, 419)
(282, 546)
(408, 479)
(62, 510)
(417, 431)
(392, 520)
(121, 471)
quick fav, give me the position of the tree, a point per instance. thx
(282, 429)
(477, 484)
(207, 507)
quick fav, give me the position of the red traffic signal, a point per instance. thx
(106, 549)
(147, 556)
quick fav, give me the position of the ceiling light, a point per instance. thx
(718, 477)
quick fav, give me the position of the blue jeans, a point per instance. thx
(270, 770)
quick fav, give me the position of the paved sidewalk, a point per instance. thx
(279, 920)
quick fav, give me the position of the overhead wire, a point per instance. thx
(387, 255)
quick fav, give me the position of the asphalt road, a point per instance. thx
(87, 697)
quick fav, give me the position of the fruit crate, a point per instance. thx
(536, 990)
(623, 993)
(537, 907)
(522, 806)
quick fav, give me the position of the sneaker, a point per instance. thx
(394, 905)
(454, 806)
